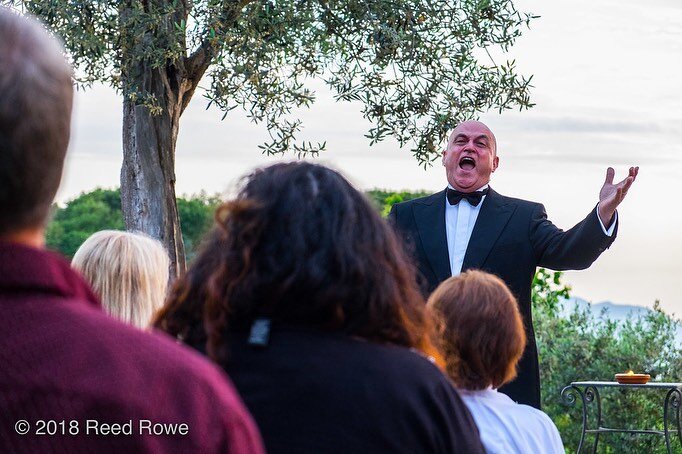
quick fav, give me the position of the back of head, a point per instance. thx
(36, 95)
(129, 272)
(480, 330)
(299, 245)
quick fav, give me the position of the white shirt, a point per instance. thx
(507, 427)
(459, 224)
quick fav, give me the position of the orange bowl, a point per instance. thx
(632, 379)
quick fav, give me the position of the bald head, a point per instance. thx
(36, 95)
(468, 124)
(471, 156)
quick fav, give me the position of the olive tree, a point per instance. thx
(416, 66)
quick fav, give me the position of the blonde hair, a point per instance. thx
(129, 272)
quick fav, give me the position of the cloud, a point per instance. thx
(582, 125)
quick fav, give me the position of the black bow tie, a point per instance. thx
(474, 198)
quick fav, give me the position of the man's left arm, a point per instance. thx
(578, 247)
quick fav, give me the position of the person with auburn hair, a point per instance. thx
(481, 335)
(304, 295)
(106, 386)
(128, 271)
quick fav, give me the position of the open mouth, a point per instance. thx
(467, 163)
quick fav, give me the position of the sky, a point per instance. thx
(606, 88)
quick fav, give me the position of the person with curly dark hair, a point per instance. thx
(303, 294)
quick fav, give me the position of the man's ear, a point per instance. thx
(445, 152)
(496, 162)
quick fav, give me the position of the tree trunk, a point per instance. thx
(148, 172)
(155, 93)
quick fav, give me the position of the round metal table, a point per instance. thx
(588, 392)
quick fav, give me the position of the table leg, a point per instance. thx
(569, 398)
(592, 394)
(679, 410)
(672, 399)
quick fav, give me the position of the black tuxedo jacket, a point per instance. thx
(511, 237)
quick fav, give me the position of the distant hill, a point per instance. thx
(613, 311)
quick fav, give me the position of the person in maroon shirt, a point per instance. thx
(71, 378)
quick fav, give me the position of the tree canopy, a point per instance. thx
(418, 67)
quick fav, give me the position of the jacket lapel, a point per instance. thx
(491, 221)
(429, 215)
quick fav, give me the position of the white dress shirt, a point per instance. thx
(507, 427)
(459, 224)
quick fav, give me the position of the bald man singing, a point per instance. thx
(469, 225)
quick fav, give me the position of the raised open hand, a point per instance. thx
(612, 194)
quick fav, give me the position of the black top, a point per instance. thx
(313, 392)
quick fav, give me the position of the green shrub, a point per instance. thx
(100, 209)
(383, 200)
(81, 217)
(582, 347)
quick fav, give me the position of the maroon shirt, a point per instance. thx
(65, 363)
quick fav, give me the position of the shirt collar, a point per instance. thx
(479, 189)
(32, 270)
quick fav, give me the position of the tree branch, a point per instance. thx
(199, 61)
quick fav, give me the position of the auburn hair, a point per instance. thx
(478, 328)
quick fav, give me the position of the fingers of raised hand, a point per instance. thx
(610, 173)
(632, 175)
(620, 194)
(627, 184)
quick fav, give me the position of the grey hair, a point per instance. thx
(36, 97)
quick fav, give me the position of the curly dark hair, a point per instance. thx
(300, 246)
